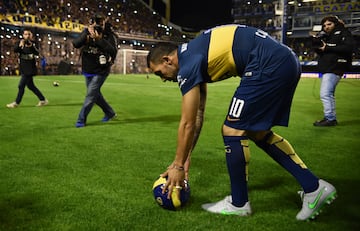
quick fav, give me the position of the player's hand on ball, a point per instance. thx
(177, 200)
(175, 179)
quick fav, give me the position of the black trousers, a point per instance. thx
(27, 80)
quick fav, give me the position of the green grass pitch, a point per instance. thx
(54, 176)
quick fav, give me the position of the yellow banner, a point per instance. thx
(35, 21)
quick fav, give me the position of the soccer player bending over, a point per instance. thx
(269, 74)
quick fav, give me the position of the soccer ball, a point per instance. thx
(174, 203)
(56, 84)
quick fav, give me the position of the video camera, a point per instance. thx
(98, 21)
(317, 40)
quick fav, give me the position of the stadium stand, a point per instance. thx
(293, 25)
(56, 22)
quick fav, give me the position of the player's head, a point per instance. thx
(162, 60)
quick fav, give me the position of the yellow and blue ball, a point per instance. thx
(173, 203)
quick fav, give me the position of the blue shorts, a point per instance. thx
(264, 99)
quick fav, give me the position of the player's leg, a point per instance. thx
(283, 153)
(316, 192)
(237, 159)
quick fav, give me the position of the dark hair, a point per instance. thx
(26, 29)
(334, 19)
(158, 51)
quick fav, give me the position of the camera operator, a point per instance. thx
(98, 51)
(334, 46)
(28, 51)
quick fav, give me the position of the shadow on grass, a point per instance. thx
(64, 104)
(346, 206)
(122, 120)
(162, 118)
(29, 106)
(20, 211)
(342, 213)
(343, 123)
(272, 196)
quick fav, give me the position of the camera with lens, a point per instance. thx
(97, 20)
(317, 40)
(98, 28)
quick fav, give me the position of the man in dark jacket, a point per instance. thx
(98, 50)
(335, 56)
(27, 53)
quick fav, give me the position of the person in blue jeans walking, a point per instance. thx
(335, 46)
(98, 51)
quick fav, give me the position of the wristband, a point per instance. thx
(180, 168)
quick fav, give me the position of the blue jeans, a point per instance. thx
(94, 96)
(327, 94)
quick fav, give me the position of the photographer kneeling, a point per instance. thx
(98, 51)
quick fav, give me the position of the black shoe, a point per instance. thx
(325, 123)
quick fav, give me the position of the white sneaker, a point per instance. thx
(42, 103)
(12, 105)
(227, 208)
(314, 201)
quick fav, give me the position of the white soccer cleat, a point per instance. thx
(42, 103)
(314, 201)
(225, 207)
(12, 105)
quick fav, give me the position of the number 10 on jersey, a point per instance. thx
(236, 107)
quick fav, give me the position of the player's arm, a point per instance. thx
(198, 126)
(186, 133)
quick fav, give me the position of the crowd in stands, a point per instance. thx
(126, 16)
(131, 18)
(9, 61)
(303, 48)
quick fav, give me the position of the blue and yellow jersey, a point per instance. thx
(226, 51)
